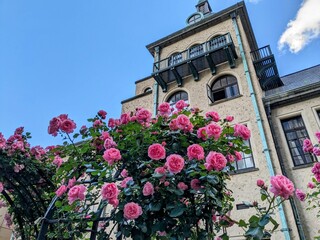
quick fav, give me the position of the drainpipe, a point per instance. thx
(156, 85)
(266, 151)
(292, 202)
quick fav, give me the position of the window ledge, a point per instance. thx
(247, 170)
(224, 100)
(303, 166)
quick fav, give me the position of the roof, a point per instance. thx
(211, 20)
(294, 81)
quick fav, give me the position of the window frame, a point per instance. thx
(174, 59)
(298, 141)
(244, 158)
(176, 100)
(226, 89)
(193, 52)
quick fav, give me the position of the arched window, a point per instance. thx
(195, 50)
(177, 96)
(224, 87)
(217, 42)
(148, 89)
(174, 59)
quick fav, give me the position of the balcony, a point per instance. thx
(266, 68)
(206, 55)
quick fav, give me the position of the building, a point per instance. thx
(214, 63)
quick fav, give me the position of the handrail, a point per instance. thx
(193, 52)
(261, 53)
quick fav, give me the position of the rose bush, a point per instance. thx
(163, 177)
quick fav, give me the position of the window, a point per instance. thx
(295, 133)
(318, 112)
(175, 59)
(246, 161)
(195, 50)
(181, 95)
(224, 87)
(217, 42)
(194, 18)
(148, 89)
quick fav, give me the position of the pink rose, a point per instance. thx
(57, 161)
(143, 116)
(148, 189)
(318, 136)
(61, 190)
(111, 123)
(242, 131)
(213, 130)
(195, 184)
(183, 123)
(181, 104)
(164, 109)
(111, 155)
(54, 126)
(300, 195)
(124, 173)
(109, 191)
(1, 187)
(109, 143)
(76, 192)
(311, 185)
(260, 183)
(238, 155)
(124, 118)
(102, 114)
(175, 163)
(215, 161)
(316, 171)
(281, 186)
(195, 151)
(316, 151)
(156, 151)
(201, 133)
(307, 145)
(160, 170)
(132, 211)
(71, 182)
(124, 182)
(97, 123)
(18, 167)
(2, 141)
(173, 125)
(229, 118)
(182, 186)
(67, 126)
(114, 202)
(166, 183)
(213, 115)
(230, 158)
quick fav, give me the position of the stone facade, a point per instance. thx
(243, 183)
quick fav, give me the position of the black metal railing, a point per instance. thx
(189, 54)
(266, 68)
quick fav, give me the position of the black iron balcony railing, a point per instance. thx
(266, 68)
(197, 58)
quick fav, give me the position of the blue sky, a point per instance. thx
(80, 56)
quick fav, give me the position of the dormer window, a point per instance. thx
(196, 17)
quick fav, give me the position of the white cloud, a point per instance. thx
(303, 29)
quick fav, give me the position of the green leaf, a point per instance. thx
(213, 179)
(242, 223)
(58, 204)
(275, 224)
(154, 207)
(254, 221)
(177, 211)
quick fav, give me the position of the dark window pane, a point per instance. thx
(295, 133)
(225, 87)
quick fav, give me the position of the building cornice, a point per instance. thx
(207, 22)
